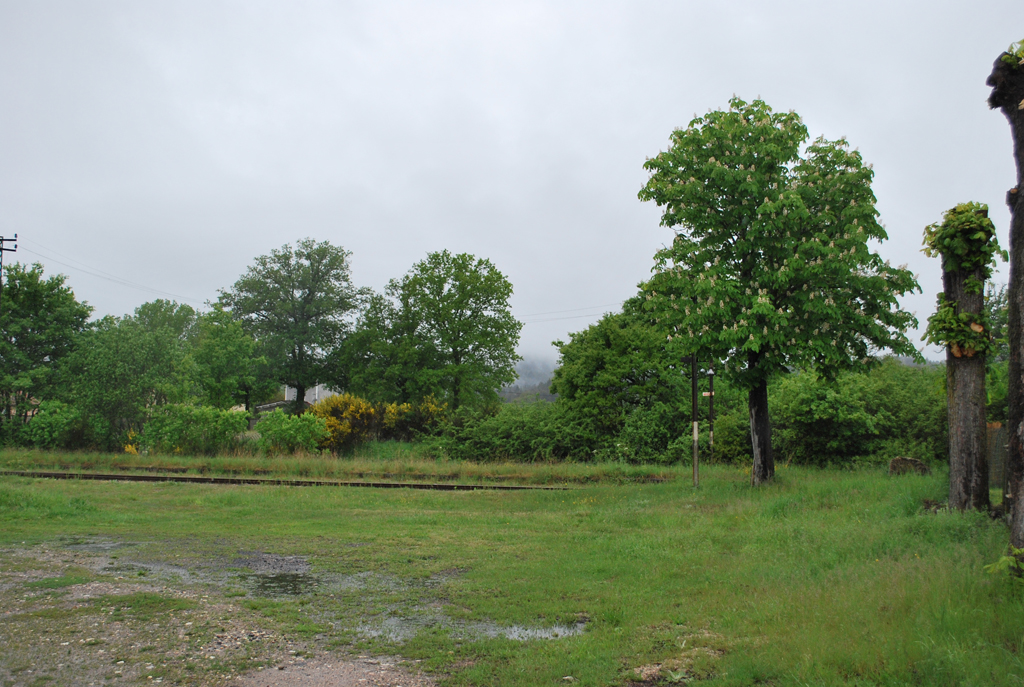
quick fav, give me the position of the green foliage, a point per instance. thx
(1011, 564)
(39, 322)
(997, 391)
(965, 333)
(283, 433)
(1014, 55)
(966, 241)
(297, 303)
(891, 410)
(177, 320)
(770, 268)
(616, 367)
(119, 372)
(229, 368)
(998, 315)
(55, 425)
(444, 329)
(869, 415)
(529, 432)
(650, 432)
(192, 430)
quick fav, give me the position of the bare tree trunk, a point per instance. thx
(300, 399)
(965, 398)
(1008, 94)
(763, 469)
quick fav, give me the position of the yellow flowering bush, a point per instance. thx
(352, 420)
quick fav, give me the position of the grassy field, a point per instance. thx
(823, 578)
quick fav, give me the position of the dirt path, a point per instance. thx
(80, 615)
(360, 672)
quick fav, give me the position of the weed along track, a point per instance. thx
(200, 479)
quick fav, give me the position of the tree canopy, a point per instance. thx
(298, 302)
(615, 367)
(770, 267)
(229, 367)
(40, 319)
(443, 329)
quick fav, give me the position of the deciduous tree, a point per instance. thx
(298, 302)
(614, 368)
(770, 267)
(966, 242)
(1007, 82)
(40, 319)
(445, 329)
(229, 367)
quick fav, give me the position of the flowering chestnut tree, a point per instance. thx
(770, 268)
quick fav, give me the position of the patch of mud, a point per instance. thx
(327, 672)
(281, 584)
(91, 544)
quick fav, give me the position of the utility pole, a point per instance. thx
(5, 249)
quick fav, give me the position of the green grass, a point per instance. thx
(66, 580)
(823, 578)
(375, 461)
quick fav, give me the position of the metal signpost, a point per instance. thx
(710, 393)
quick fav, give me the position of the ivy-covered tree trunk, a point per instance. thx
(965, 394)
(1007, 81)
(763, 469)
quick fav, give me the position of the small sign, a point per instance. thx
(708, 393)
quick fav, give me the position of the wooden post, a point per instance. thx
(711, 413)
(693, 386)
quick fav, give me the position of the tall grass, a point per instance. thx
(388, 460)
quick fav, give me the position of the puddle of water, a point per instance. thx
(270, 563)
(281, 584)
(524, 634)
(400, 629)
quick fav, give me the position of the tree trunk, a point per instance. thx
(1008, 94)
(763, 469)
(965, 398)
(300, 399)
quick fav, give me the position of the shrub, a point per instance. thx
(192, 430)
(891, 409)
(282, 433)
(59, 425)
(348, 419)
(536, 431)
(648, 432)
(351, 420)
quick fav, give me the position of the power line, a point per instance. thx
(556, 319)
(558, 312)
(100, 274)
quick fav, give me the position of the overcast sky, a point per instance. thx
(153, 150)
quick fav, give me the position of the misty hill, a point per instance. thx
(534, 379)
